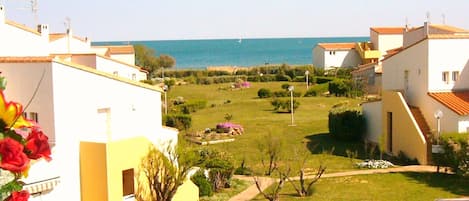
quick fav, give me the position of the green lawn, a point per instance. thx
(385, 187)
(259, 119)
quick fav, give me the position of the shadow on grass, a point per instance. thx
(451, 183)
(323, 142)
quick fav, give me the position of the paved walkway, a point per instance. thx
(251, 192)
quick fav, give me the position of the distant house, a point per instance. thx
(329, 55)
(99, 124)
(423, 82)
(386, 38)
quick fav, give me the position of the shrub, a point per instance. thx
(264, 93)
(193, 106)
(179, 121)
(227, 127)
(346, 123)
(311, 92)
(280, 77)
(285, 104)
(199, 179)
(456, 153)
(220, 173)
(339, 87)
(285, 86)
(281, 94)
(321, 80)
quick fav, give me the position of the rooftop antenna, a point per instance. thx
(406, 23)
(428, 17)
(33, 6)
(68, 24)
(443, 18)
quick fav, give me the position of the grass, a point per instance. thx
(258, 119)
(385, 187)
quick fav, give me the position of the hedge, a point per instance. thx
(346, 124)
(179, 121)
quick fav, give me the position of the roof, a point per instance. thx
(21, 26)
(118, 49)
(457, 101)
(448, 28)
(56, 36)
(388, 30)
(337, 46)
(49, 59)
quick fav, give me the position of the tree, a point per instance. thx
(161, 173)
(270, 146)
(165, 61)
(274, 194)
(145, 57)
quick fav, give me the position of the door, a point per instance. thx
(389, 131)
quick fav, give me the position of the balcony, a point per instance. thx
(366, 53)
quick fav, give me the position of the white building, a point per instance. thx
(78, 101)
(329, 55)
(386, 38)
(429, 74)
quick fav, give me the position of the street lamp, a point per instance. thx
(165, 89)
(306, 75)
(438, 114)
(290, 89)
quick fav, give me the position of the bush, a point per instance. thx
(281, 94)
(285, 86)
(179, 121)
(311, 92)
(193, 106)
(321, 80)
(346, 124)
(285, 104)
(199, 179)
(221, 171)
(456, 153)
(280, 77)
(339, 87)
(264, 93)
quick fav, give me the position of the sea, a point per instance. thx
(199, 54)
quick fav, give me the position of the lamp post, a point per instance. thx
(290, 89)
(438, 114)
(165, 89)
(307, 76)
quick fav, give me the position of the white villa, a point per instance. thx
(424, 84)
(99, 118)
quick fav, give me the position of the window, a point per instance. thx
(134, 76)
(128, 182)
(34, 116)
(116, 73)
(455, 76)
(445, 77)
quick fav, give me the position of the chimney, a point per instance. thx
(43, 29)
(426, 28)
(2, 14)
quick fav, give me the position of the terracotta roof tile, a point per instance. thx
(456, 101)
(448, 28)
(119, 49)
(337, 46)
(26, 59)
(23, 27)
(56, 36)
(388, 30)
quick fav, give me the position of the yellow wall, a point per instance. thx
(187, 192)
(406, 136)
(93, 171)
(102, 164)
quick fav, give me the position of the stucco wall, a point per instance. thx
(387, 42)
(124, 70)
(126, 58)
(406, 135)
(18, 42)
(341, 58)
(318, 57)
(22, 80)
(413, 36)
(93, 171)
(69, 44)
(373, 116)
(448, 55)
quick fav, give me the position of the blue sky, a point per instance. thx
(124, 20)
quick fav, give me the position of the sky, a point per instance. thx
(124, 20)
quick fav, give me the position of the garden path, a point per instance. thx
(251, 192)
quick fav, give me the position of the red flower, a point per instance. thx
(38, 145)
(19, 196)
(13, 157)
